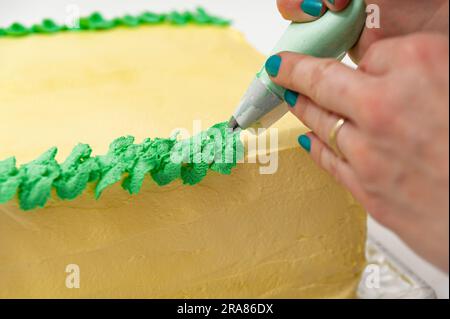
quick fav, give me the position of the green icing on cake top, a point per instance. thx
(165, 160)
(96, 22)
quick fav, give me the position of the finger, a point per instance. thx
(329, 83)
(301, 10)
(322, 122)
(337, 5)
(339, 169)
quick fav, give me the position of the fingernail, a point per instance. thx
(291, 97)
(312, 7)
(273, 65)
(305, 142)
(331, 1)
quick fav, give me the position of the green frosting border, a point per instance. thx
(96, 22)
(165, 160)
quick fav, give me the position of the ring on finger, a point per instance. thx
(332, 138)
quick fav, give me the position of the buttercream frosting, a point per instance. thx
(292, 234)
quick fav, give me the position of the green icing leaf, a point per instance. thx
(99, 23)
(151, 18)
(167, 170)
(96, 18)
(76, 172)
(167, 174)
(194, 173)
(128, 21)
(110, 177)
(222, 168)
(178, 18)
(202, 17)
(85, 24)
(133, 182)
(10, 179)
(96, 22)
(17, 30)
(47, 26)
(146, 161)
(220, 21)
(39, 176)
(115, 163)
(2, 32)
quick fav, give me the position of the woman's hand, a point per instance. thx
(396, 137)
(397, 17)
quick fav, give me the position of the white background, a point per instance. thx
(262, 25)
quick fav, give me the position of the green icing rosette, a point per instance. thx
(16, 30)
(47, 26)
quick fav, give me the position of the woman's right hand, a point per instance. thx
(397, 18)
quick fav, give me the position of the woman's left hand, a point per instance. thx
(395, 141)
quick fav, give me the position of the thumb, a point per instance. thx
(337, 5)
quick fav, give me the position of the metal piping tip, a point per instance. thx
(233, 124)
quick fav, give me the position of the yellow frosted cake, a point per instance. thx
(66, 232)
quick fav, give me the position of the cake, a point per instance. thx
(236, 233)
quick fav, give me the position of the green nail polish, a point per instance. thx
(305, 142)
(290, 97)
(273, 65)
(331, 1)
(312, 7)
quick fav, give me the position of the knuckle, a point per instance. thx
(324, 70)
(304, 109)
(293, 74)
(321, 155)
(329, 162)
(375, 112)
(347, 91)
(321, 126)
(333, 167)
(414, 48)
(423, 48)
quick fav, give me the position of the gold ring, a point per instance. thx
(332, 138)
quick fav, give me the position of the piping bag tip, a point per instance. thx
(233, 124)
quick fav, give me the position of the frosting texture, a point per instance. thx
(166, 160)
(96, 22)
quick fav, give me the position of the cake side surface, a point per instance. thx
(293, 234)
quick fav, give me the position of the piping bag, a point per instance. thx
(331, 36)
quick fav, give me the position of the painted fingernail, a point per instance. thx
(312, 7)
(331, 1)
(305, 142)
(290, 97)
(273, 65)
